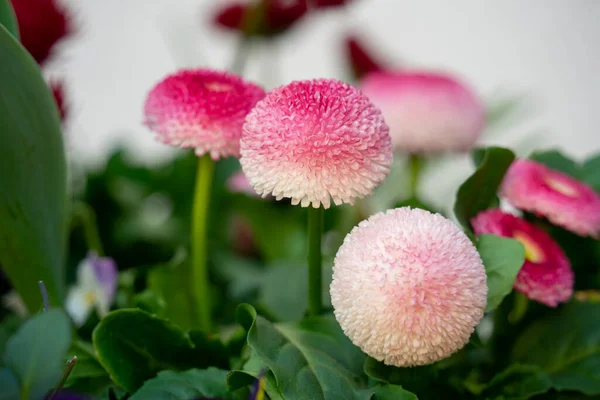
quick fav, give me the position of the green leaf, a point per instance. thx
(35, 353)
(502, 258)
(590, 173)
(150, 302)
(566, 345)
(479, 191)
(9, 384)
(423, 381)
(556, 160)
(185, 385)
(88, 376)
(8, 19)
(391, 392)
(209, 350)
(133, 346)
(33, 178)
(166, 282)
(517, 382)
(311, 359)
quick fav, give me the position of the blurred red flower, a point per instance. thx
(330, 3)
(280, 16)
(360, 60)
(42, 23)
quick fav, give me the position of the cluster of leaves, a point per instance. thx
(147, 348)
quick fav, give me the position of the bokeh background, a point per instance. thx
(545, 51)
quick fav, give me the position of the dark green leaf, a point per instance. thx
(391, 392)
(150, 302)
(311, 359)
(477, 156)
(518, 382)
(503, 259)
(35, 353)
(251, 371)
(133, 346)
(423, 381)
(9, 384)
(33, 178)
(556, 160)
(590, 173)
(185, 385)
(566, 345)
(209, 350)
(88, 376)
(8, 18)
(479, 191)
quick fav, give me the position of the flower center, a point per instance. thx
(561, 187)
(533, 252)
(90, 297)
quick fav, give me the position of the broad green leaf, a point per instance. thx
(9, 384)
(565, 345)
(311, 359)
(133, 346)
(33, 178)
(556, 160)
(502, 258)
(36, 352)
(88, 376)
(150, 302)
(479, 191)
(169, 283)
(251, 371)
(8, 19)
(185, 385)
(423, 381)
(517, 382)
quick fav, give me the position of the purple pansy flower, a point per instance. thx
(95, 288)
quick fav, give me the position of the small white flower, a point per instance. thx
(95, 288)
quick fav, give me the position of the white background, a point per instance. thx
(546, 50)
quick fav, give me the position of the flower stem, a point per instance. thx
(199, 286)
(415, 165)
(87, 218)
(67, 371)
(315, 232)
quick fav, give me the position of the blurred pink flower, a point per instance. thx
(565, 201)
(408, 287)
(313, 141)
(546, 275)
(359, 58)
(201, 109)
(280, 16)
(238, 183)
(42, 24)
(427, 112)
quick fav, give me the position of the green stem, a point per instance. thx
(416, 165)
(315, 232)
(519, 308)
(87, 218)
(199, 286)
(70, 365)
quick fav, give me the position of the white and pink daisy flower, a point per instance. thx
(201, 109)
(427, 112)
(313, 141)
(408, 287)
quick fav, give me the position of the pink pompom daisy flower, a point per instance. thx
(408, 287)
(565, 201)
(201, 109)
(546, 275)
(313, 141)
(427, 112)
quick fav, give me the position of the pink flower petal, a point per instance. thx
(546, 276)
(565, 201)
